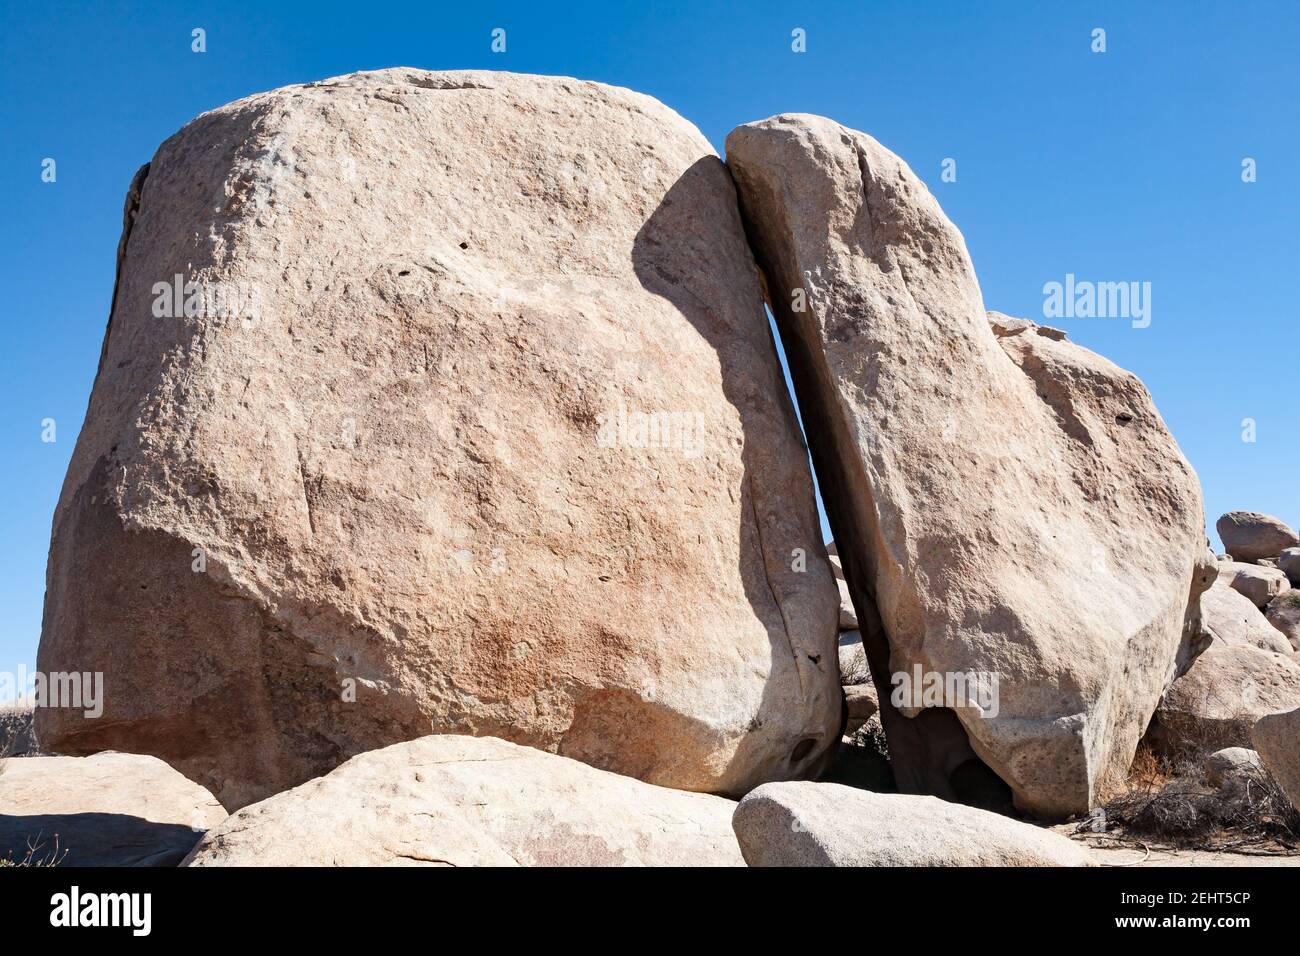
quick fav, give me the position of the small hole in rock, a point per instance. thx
(1123, 418)
(404, 272)
(464, 245)
(802, 749)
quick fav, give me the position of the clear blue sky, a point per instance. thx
(1123, 165)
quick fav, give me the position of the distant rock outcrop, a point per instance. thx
(1249, 535)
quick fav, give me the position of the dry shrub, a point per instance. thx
(1167, 799)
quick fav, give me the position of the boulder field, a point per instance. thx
(442, 407)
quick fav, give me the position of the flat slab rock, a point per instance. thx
(110, 809)
(474, 801)
(826, 824)
(492, 440)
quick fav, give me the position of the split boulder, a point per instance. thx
(1005, 502)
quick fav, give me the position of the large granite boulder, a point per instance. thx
(472, 423)
(111, 809)
(474, 801)
(1005, 503)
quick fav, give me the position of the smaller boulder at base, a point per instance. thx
(449, 800)
(109, 809)
(1230, 767)
(826, 824)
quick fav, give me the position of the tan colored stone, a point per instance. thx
(1234, 618)
(848, 616)
(1283, 612)
(497, 443)
(862, 704)
(1258, 583)
(111, 809)
(1250, 535)
(1289, 563)
(1232, 767)
(826, 824)
(1277, 738)
(1225, 692)
(1004, 503)
(474, 801)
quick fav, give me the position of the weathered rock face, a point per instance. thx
(826, 824)
(107, 810)
(1249, 535)
(1258, 583)
(474, 801)
(487, 430)
(1004, 501)
(1277, 738)
(1283, 612)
